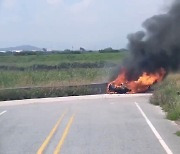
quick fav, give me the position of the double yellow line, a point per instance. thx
(53, 131)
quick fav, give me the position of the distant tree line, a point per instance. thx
(110, 50)
(66, 51)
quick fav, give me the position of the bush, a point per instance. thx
(178, 133)
(166, 95)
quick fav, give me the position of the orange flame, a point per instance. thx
(142, 84)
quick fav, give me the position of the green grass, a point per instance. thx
(167, 95)
(178, 133)
(66, 70)
(55, 59)
(11, 79)
(56, 77)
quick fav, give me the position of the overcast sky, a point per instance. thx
(61, 24)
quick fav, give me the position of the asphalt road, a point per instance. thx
(102, 124)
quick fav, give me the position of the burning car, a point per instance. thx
(122, 89)
(122, 85)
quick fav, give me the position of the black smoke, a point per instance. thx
(156, 47)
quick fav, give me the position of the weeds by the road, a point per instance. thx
(56, 69)
(13, 79)
(178, 133)
(167, 95)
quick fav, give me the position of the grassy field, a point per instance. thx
(72, 69)
(11, 79)
(56, 59)
(167, 95)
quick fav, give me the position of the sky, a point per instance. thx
(67, 24)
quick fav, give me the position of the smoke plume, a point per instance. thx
(156, 47)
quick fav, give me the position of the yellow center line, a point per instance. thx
(47, 140)
(66, 130)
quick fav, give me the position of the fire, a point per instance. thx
(142, 84)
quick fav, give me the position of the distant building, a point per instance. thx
(3, 51)
(17, 51)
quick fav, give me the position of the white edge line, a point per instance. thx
(162, 142)
(69, 98)
(2, 113)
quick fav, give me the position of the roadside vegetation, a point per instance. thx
(53, 78)
(167, 95)
(178, 133)
(33, 75)
(52, 59)
(56, 69)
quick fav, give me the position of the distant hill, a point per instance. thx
(23, 47)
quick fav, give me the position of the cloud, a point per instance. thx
(77, 22)
(73, 6)
(80, 6)
(8, 3)
(54, 2)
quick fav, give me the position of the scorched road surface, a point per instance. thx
(102, 124)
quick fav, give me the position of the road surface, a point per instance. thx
(101, 124)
